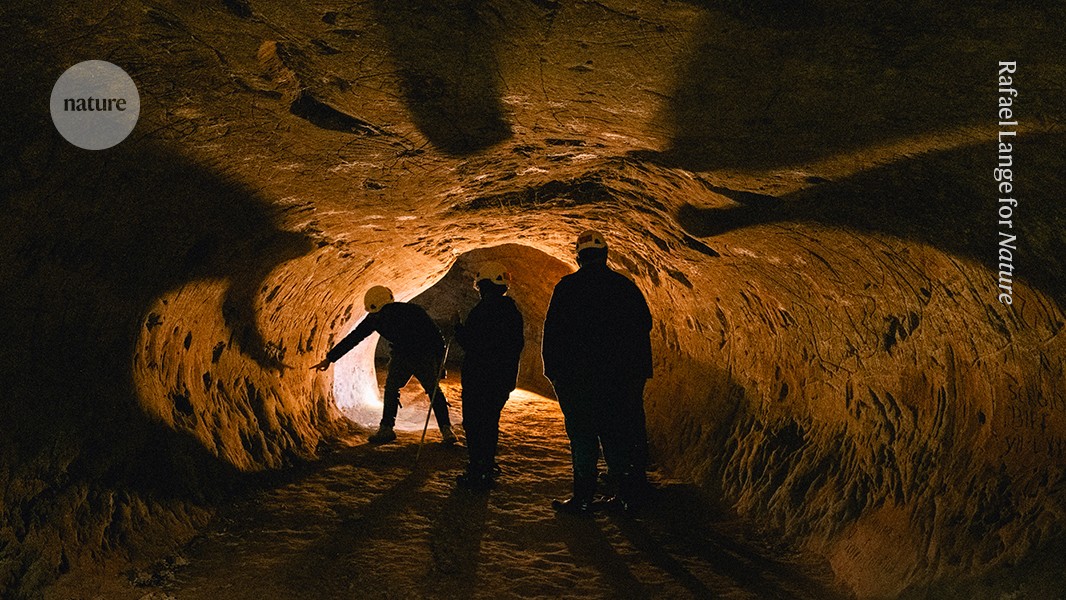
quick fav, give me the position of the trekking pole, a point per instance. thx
(433, 398)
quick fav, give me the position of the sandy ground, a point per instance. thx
(371, 522)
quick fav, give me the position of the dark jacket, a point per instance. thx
(492, 339)
(598, 326)
(406, 326)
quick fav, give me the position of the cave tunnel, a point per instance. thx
(803, 191)
(357, 379)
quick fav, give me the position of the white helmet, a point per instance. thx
(493, 272)
(376, 297)
(590, 239)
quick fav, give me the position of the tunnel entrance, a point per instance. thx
(359, 378)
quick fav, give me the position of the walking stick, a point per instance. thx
(433, 398)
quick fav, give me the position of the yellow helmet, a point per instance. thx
(590, 239)
(493, 272)
(376, 297)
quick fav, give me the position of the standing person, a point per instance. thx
(597, 354)
(492, 340)
(417, 349)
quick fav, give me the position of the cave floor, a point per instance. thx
(369, 522)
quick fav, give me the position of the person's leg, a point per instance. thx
(637, 429)
(492, 426)
(616, 454)
(581, 428)
(584, 453)
(427, 371)
(474, 423)
(398, 376)
(632, 439)
(604, 418)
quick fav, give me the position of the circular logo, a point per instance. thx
(95, 105)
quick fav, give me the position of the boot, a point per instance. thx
(473, 479)
(383, 435)
(580, 503)
(447, 435)
(633, 491)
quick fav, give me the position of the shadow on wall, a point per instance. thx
(775, 83)
(447, 68)
(945, 199)
(89, 241)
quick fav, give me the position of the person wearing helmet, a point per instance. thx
(492, 339)
(417, 350)
(597, 354)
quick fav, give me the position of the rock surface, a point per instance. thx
(802, 191)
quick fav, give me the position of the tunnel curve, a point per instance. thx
(853, 389)
(533, 273)
(830, 358)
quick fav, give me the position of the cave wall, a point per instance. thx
(809, 228)
(886, 418)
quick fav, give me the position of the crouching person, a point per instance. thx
(417, 350)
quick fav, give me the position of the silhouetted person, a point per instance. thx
(417, 349)
(597, 354)
(492, 341)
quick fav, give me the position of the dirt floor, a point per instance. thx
(370, 522)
